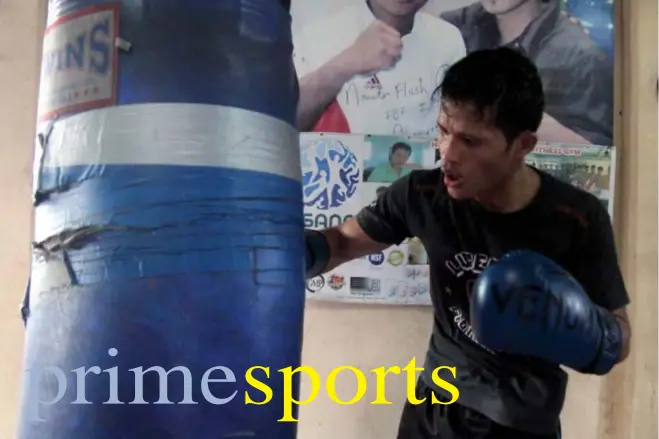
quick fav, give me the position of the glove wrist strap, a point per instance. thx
(610, 347)
(318, 252)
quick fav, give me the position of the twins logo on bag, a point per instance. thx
(79, 62)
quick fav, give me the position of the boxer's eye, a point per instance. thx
(468, 141)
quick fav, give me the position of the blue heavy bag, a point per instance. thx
(168, 247)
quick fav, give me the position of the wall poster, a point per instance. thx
(591, 168)
(385, 89)
(380, 81)
(344, 172)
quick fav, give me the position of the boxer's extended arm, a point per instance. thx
(329, 248)
(319, 88)
(376, 227)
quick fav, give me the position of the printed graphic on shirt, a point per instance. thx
(464, 268)
(373, 83)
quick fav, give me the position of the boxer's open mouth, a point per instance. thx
(451, 179)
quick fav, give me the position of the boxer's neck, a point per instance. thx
(402, 24)
(513, 23)
(514, 193)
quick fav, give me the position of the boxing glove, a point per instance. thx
(317, 252)
(526, 304)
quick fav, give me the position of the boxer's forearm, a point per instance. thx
(342, 249)
(318, 89)
(340, 245)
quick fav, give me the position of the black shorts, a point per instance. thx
(454, 421)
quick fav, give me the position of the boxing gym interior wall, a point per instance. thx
(622, 405)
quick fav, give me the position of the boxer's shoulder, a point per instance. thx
(426, 183)
(567, 200)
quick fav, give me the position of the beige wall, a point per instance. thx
(621, 406)
(19, 49)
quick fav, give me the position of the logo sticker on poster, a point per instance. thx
(336, 282)
(376, 259)
(396, 257)
(364, 285)
(315, 284)
(79, 62)
(330, 173)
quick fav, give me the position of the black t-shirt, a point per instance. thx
(461, 238)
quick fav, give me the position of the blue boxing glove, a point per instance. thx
(316, 253)
(526, 304)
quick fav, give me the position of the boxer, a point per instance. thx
(524, 270)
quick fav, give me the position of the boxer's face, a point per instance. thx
(400, 8)
(399, 157)
(476, 158)
(497, 7)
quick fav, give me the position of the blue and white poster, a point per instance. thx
(343, 173)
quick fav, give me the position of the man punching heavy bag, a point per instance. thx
(168, 255)
(524, 272)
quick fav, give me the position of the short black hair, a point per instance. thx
(500, 80)
(401, 145)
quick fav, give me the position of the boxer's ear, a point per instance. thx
(525, 144)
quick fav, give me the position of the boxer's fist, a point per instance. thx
(377, 48)
(316, 253)
(528, 305)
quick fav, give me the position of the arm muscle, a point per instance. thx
(381, 224)
(349, 241)
(318, 89)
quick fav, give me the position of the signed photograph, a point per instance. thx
(373, 66)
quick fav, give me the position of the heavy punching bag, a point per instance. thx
(168, 248)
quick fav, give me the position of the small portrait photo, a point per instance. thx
(391, 158)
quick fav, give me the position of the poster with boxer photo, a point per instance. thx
(371, 66)
(342, 173)
(588, 167)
